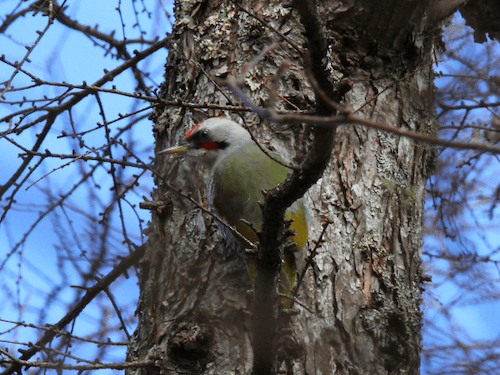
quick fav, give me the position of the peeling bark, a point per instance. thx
(364, 291)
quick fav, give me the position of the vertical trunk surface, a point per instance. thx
(363, 294)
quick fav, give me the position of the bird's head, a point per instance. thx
(210, 140)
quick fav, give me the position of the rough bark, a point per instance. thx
(481, 15)
(364, 292)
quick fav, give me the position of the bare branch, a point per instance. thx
(119, 269)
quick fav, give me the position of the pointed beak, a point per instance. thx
(175, 149)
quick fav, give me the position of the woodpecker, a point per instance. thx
(239, 172)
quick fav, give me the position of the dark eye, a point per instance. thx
(204, 134)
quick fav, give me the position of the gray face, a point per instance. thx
(213, 138)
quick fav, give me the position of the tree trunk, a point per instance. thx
(363, 294)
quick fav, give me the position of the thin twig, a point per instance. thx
(14, 362)
(63, 333)
(233, 231)
(310, 260)
(392, 84)
(91, 293)
(294, 300)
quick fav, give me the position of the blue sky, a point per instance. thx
(33, 271)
